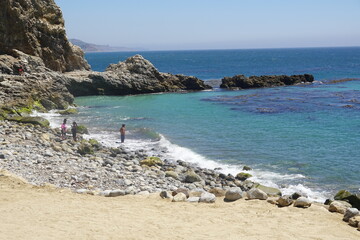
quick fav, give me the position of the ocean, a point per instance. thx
(298, 138)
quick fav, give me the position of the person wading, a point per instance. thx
(122, 133)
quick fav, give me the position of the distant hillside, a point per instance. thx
(89, 47)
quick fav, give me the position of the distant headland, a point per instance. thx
(90, 47)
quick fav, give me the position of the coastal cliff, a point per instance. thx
(37, 28)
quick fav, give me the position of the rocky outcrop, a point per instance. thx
(135, 75)
(36, 27)
(38, 86)
(242, 82)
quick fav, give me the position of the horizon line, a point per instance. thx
(220, 49)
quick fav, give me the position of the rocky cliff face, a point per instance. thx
(134, 76)
(38, 84)
(242, 82)
(36, 27)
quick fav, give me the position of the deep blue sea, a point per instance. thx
(298, 138)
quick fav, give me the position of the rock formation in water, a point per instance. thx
(135, 75)
(242, 82)
(36, 27)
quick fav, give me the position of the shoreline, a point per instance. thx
(164, 149)
(45, 212)
(36, 168)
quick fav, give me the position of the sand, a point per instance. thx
(30, 212)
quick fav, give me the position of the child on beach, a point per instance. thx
(122, 133)
(63, 130)
(74, 130)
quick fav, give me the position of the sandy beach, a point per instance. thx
(32, 212)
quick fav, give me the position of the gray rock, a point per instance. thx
(171, 174)
(295, 196)
(130, 190)
(207, 198)
(143, 193)
(116, 193)
(82, 191)
(302, 202)
(256, 193)
(191, 177)
(284, 201)
(349, 213)
(233, 194)
(105, 193)
(127, 182)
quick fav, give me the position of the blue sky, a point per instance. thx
(213, 24)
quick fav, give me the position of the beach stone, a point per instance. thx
(270, 191)
(233, 194)
(207, 197)
(127, 182)
(295, 196)
(342, 195)
(116, 193)
(302, 202)
(151, 161)
(349, 213)
(243, 176)
(193, 199)
(247, 168)
(353, 199)
(218, 192)
(355, 221)
(285, 201)
(181, 190)
(45, 137)
(2, 156)
(82, 191)
(165, 194)
(143, 193)
(196, 192)
(255, 193)
(130, 190)
(191, 177)
(339, 206)
(172, 174)
(105, 193)
(180, 197)
(85, 148)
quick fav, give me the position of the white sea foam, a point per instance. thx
(52, 116)
(317, 196)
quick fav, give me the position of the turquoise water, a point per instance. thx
(299, 138)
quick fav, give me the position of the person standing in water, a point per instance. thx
(122, 133)
(74, 130)
(63, 130)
